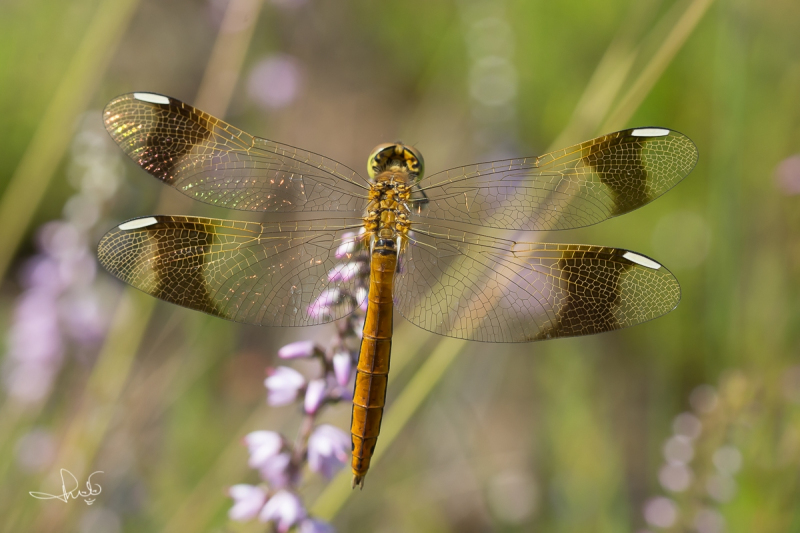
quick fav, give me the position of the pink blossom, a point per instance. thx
(328, 450)
(61, 240)
(322, 305)
(275, 470)
(361, 298)
(309, 525)
(342, 366)
(298, 349)
(262, 446)
(283, 384)
(359, 328)
(347, 246)
(315, 394)
(84, 318)
(29, 382)
(285, 509)
(42, 272)
(787, 175)
(346, 394)
(344, 271)
(275, 81)
(248, 500)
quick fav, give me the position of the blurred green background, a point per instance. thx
(687, 423)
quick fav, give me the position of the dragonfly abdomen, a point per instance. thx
(373, 361)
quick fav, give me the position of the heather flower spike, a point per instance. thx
(62, 307)
(280, 461)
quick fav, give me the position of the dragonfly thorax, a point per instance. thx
(387, 211)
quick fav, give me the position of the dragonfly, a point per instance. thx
(423, 240)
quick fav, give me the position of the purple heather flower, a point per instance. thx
(248, 500)
(787, 175)
(61, 240)
(30, 382)
(344, 271)
(83, 316)
(309, 525)
(298, 349)
(36, 336)
(285, 509)
(283, 384)
(322, 305)
(342, 366)
(347, 246)
(346, 394)
(315, 394)
(361, 297)
(42, 272)
(358, 328)
(275, 81)
(275, 470)
(263, 446)
(328, 450)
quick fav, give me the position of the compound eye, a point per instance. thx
(414, 161)
(378, 158)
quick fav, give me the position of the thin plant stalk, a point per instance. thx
(651, 73)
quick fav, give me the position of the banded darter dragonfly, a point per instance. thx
(418, 235)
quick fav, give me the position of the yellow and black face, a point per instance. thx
(396, 156)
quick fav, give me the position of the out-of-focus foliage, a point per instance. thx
(688, 423)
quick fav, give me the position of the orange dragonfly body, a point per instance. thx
(419, 235)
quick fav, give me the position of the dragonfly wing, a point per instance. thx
(216, 163)
(480, 288)
(270, 274)
(570, 188)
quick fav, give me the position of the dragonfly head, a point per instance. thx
(398, 157)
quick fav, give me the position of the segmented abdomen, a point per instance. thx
(373, 361)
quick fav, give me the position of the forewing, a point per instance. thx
(216, 163)
(570, 188)
(270, 274)
(479, 288)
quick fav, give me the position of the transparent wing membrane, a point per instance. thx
(570, 188)
(270, 274)
(216, 163)
(451, 282)
(480, 288)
